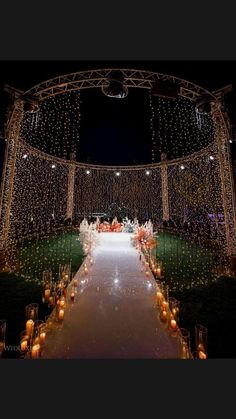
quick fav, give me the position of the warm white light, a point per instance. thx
(24, 156)
(53, 166)
(230, 141)
(182, 167)
(147, 172)
(116, 281)
(117, 173)
(87, 172)
(211, 157)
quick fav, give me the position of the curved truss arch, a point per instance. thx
(133, 78)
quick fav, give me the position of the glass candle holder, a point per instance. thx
(30, 328)
(201, 340)
(174, 308)
(184, 343)
(60, 314)
(3, 325)
(31, 312)
(24, 342)
(173, 327)
(37, 326)
(35, 351)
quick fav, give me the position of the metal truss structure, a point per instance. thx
(90, 79)
(133, 78)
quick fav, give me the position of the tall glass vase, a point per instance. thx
(201, 341)
(184, 344)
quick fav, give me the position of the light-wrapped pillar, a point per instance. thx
(7, 186)
(164, 188)
(226, 177)
(70, 190)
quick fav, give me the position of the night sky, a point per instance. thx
(116, 131)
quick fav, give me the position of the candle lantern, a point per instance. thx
(158, 272)
(3, 325)
(184, 344)
(36, 351)
(61, 314)
(174, 307)
(47, 293)
(147, 273)
(164, 316)
(24, 342)
(36, 335)
(30, 328)
(72, 296)
(62, 302)
(201, 340)
(51, 301)
(31, 311)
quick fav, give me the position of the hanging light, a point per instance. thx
(115, 87)
(182, 167)
(211, 157)
(147, 172)
(53, 166)
(117, 173)
(24, 156)
(87, 172)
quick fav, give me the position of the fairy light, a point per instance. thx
(195, 199)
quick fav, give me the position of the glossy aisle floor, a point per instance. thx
(114, 313)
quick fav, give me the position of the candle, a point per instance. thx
(75, 282)
(66, 276)
(85, 270)
(35, 352)
(61, 314)
(158, 272)
(164, 305)
(147, 273)
(174, 312)
(202, 355)
(159, 296)
(164, 316)
(62, 303)
(91, 261)
(51, 302)
(47, 293)
(29, 327)
(42, 337)
(36, 340)
(146, 264)
(24, 344)
(173, 324)
(201, 347)
(72, 296)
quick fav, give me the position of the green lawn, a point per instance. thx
(24, 286)
(188, 269)
(185, 264)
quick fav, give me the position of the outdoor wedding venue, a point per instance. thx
(117, 211)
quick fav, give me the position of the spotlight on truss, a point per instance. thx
(165, 89)
(115, 86)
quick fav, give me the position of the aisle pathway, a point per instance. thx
(113, 315)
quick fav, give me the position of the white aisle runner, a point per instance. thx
(114, 314)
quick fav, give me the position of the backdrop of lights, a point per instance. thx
(192, 184)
